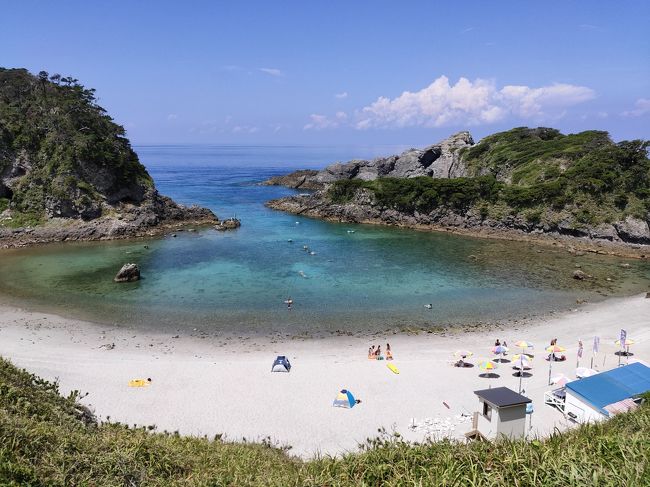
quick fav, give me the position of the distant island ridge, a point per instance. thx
(523, 183)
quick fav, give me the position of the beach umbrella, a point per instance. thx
(487, 365)
(552, 350)
(559, 380)
(524, 344)
(582, 372)
(555, 349)
(521, 361)
(499, 350)
(462, 355)
(628, 342)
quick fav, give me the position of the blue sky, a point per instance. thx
(342, 72)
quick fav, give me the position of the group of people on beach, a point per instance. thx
(375, 353)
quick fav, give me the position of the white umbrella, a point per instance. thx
(521, 362)
(560, 380)
(582, 372)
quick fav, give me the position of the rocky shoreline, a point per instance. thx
(458, 158)
(156, 215)
(316, 205)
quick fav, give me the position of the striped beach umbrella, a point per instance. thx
(521, 360)
(499, 350)
(553, 349)
(487, 365)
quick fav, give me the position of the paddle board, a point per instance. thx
(393, 368)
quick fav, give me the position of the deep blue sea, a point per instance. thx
(354, 277)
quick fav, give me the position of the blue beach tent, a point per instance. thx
(344, 399)
(281, 364)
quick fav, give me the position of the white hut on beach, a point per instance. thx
(502, 412)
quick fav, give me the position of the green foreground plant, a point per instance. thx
(47, 439)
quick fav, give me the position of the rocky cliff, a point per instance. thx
(535, 182)
(441, 160)
(67, 171)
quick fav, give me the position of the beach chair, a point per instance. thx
(556, 398)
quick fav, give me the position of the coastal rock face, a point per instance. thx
(128, 273)
(302, 179)
(364, 208)
(68, 172)
(154, 216)
(633, 230)
(534, 181)
(441, 160)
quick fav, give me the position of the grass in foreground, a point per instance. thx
(47, 439)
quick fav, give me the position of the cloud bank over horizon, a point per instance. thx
(466, 102)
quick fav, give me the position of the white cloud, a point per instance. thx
(641, 107)
(341, 96)
(244, 129)
(466, 30)
(172, 116)
(272, 71)
(470, 103)
(539, 102)
(320, 122)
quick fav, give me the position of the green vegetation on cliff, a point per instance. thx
(538, 174)
(60, 153)
(46, 439)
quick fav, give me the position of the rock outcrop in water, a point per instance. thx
(522, 183)
(67, 171)
(128, 273)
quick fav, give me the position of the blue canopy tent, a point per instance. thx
(344, 399)
(281, 364)
(606, 388)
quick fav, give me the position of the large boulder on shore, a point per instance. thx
(128, 273)
(633, 230)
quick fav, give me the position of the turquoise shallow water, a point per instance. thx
(373, 279)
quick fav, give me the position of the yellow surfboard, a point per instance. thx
(392, 367)
(138, 383)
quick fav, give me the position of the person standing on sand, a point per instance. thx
(378, 352)
(389, 353)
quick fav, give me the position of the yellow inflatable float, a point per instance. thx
(139, 382)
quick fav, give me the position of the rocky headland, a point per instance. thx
(68, 172)
(581, 191)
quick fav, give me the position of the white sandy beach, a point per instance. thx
(209, 386)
